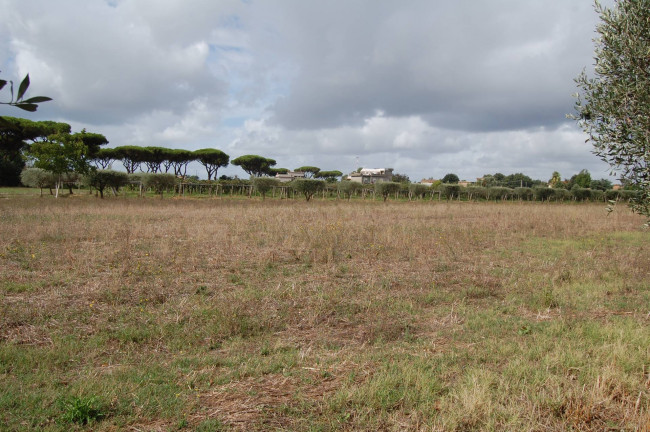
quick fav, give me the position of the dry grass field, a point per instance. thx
(237, 314)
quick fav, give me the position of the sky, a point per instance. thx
(426, 87)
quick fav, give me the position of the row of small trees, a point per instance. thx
(160, 159)
(102, 180)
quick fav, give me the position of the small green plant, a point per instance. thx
(82, 410)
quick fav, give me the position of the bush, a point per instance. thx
(264, 184)
(37, 177)
(307, 187)
(386, 188)
(349, 188)
(449, 191)
(102, 179)
(159, 183)
(524, 193)
(581, 194)
(561, 194)
(543, 193)
(499, 193)
(417, 190)
(475, 192)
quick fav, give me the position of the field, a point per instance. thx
(242, 314)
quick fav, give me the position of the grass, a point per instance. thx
(228, 314)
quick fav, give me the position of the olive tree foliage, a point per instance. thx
(449, 190)
(417, 190)
(101, 179)
(159, 183)
(264, 184)
(307, 187)
(613, 107)
(30, 104)
(385, 189)
(349, 188)
(212, 160)
(37, 177)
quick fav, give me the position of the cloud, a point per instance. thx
(425, 87)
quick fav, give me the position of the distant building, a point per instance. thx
(428, 182)
(617, 187)
(371, 175)
(284, 178)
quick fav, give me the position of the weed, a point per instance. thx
(82, 410)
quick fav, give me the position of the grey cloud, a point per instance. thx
(463, 65)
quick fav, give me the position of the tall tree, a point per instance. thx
(212, 160)
(16, 134)
(309, 171)
(131, 157)
(452, 178)
(180, 159)
(254, 165)
(60, 154)
(612, 107)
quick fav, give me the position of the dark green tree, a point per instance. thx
(401, 178)
(16, 134)
(310, 171)
(180, 159)
(329, 176)
(602, 184)
(254, 165)
(104, 157)
(451, 179)
(131, 157)
(212, 160)
(153, 158)
(613, 107)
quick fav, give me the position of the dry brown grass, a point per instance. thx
(307, 316)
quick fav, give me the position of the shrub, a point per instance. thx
(475, 192)
(102, 179)
(449, 191)
(158, 182)
(386, 188)
(581, 194)
(264, 184)
(307, 187)
(37, 177)
(499, 193)
(524, 193)
(417, 190)
(543, 193)
(349, 188)
(561, 194)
